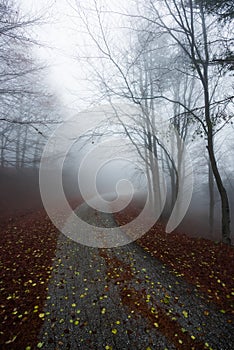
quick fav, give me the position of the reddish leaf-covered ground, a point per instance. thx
(27, 246)
(201, 262)
(28, 241)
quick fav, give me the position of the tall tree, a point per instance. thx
(196, 34)
(193, 31)
(26, 108)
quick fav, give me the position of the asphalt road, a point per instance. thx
(122, 298)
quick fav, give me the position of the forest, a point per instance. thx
(116, 173)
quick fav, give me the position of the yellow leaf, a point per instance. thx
(114, 331)
(185, 313)
(11, 340)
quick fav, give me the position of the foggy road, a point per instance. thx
(127, 105)
(122, 298)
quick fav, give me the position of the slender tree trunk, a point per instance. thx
(148, 174)
(2, 154)
(174, 187)
(226, 219)
(24, 148)
(17, 148)
(211, 200)
(156, 177)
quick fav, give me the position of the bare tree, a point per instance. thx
(128, 74)
(27, 107)
(195, 28)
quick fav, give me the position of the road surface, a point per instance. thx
(122, 298)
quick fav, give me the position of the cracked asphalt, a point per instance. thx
(122, 298)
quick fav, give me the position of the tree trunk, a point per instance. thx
(211, 200)
(17, 148)
(24, 147)
(2, 155)
(226, 219)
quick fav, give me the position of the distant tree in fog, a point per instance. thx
(27, 107)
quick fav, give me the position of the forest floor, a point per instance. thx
(165, 291)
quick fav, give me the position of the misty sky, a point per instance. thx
(63, 40)
(58, 48)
